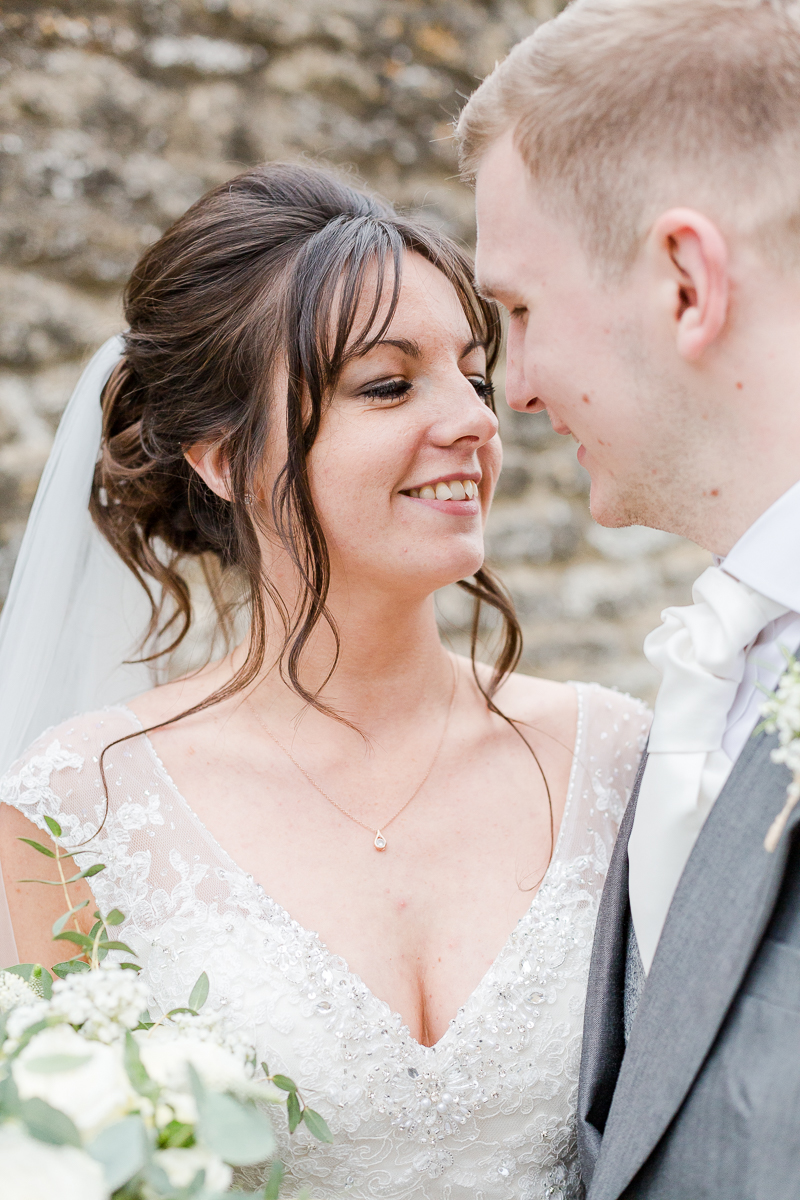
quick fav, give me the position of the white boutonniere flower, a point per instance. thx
(781, 713)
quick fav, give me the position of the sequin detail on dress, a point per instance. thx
(488, 1113)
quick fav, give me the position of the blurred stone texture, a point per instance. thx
(115, 116)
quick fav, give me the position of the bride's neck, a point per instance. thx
(390, 657)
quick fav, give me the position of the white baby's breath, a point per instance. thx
(34, 1170)
(781, 712)
(104, 1002)
(14, 991)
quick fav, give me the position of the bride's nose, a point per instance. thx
(463, 416)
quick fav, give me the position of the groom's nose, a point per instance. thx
(519, 393)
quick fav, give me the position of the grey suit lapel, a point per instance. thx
(603, 1033)
(717, 918)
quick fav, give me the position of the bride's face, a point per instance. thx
(404, 466)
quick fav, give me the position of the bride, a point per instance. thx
(388, 858)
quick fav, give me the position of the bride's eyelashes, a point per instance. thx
(395, 390)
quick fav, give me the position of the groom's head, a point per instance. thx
(637, 167)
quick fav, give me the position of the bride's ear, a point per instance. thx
(208, 459)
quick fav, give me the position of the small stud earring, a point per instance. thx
(248, 499)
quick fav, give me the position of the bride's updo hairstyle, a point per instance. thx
(265, 271)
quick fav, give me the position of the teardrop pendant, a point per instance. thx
(380, 841)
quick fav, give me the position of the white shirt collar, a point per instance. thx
(767, 556)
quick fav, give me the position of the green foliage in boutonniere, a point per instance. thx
(781, 713)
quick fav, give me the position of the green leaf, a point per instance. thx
(48, 1124)
(39, 978)
(137, 1074)
(70, 967)
(199, 993)
(272, 1190)
(62, 920)
(239, 1133)
(116, 946)
(53, 826)
(122, 1150)
(131, 966)
(173, 1012)
(317, 1125)
(293, 1112)
(265, 1069)
(29, 1033)
(78, 939)
(40, 848)
(176, 1134)
(115, 917)
(53, 1063)
(88, 873)
(9, 1097)
(284, 1083)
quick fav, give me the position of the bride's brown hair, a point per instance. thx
(266, 269)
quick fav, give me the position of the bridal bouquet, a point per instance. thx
(98, 1101)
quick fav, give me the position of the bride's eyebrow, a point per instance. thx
(414, 350)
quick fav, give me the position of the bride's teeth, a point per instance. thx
(457, 490)
(472, 488)
(427, 493)
(443, 492)
(414, 492)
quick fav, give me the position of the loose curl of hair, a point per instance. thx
(269, 268)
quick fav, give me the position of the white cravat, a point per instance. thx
(700, 650)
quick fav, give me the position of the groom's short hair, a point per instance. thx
(621, 108)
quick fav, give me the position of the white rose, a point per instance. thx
(181, 1166)
(93, 1094)
(166, 1052)
(33, 1170)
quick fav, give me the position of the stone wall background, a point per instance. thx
(115, 116)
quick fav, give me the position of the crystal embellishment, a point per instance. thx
(380, 841)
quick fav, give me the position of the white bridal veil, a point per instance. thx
(74, 611)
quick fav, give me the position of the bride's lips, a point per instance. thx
(581, 453)
(456, 495)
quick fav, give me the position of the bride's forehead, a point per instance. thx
(426, 303)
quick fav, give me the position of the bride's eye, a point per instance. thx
(391, 390)
(483, 387)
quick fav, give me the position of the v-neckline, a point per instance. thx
(312, 938)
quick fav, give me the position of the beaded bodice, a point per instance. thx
(485, 1114)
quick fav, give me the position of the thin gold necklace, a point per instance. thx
(380, 842)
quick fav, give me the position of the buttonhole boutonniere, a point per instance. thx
(781, 713)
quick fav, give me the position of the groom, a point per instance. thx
(637, 168)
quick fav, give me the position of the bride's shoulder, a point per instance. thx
(64, 752)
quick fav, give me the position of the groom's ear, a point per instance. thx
(691, 257)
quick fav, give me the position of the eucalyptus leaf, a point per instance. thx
(37, 846)
(173, 1012)
(70, 967)
(199, 993)
(317, 1125)
(176, 1134)
(239, 1133)
(48, 1124)
(48, 1064)
(78, 939)
(62, 920)
(115, 917)
(131, 966)
(88, 873)
(293, 1112)
(9, 1097)
(273, 1188)
(122, 1150)
(137, 1074)
(116, 946)
(39, 977)
(53, 825)
(284, 1083)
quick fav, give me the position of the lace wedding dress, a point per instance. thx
(485, 1114)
